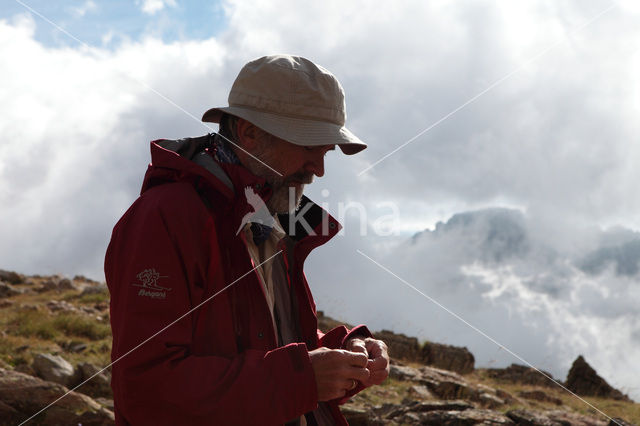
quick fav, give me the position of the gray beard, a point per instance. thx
(285, 198)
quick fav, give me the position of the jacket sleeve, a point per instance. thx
(156, 265)
(338, 336)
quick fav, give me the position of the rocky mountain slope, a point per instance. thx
(55, 335)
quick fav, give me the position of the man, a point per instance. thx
(213, 320)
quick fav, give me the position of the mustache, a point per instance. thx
(304, 178)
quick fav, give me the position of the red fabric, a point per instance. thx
(219, 364)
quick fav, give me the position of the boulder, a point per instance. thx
(583, 380)
(66, 284)
(519, 374)
(617, 421)
(538, 395)
(489, 400)
(7, 290)
(456, 405)
(399, 412)
(463, 418)
(355, 416)
(446, 384)
(447, 357)
(574, 419)
(404, 372)
(61, 306)
(420, 392)
(95, 289)
(11, 277)
(99, 384)
(84, 279)
(48, 285)
(400, 346)
(529, 418)
(21, 396)
(55, 369)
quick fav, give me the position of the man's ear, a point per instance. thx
(247, 134)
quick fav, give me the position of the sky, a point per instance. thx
(500, 179)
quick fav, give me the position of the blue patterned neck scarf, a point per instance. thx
(223, 151)
(224, 154)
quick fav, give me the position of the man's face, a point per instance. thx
(297, 165)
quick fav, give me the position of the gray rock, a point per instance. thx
(447, 357)
(520, 374)
(400, 346)
(463, 418)
(7, 290)
(99, 384)
(10, 277)
(355, 416)
(538, 395)
(48, 285)
(416, 407)
(529, 418)
(22, 395)
(617, 421)
(457, 405)
(583, 380)
(61, 306)
(404, 372)
(447, 384)
(84, 279)
(410, 419)
(66, 284)
(95, 289)
(55, 369)
(420, 391)
(489, 400)
(573, 419)
(105, 402)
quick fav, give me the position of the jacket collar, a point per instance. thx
(186, 160)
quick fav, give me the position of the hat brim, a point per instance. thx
(298, 131)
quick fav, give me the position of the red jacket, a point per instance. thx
(219, 364)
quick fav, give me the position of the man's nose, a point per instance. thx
(315, 163)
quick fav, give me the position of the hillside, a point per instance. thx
(55, 335)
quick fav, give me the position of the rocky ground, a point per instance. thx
(55, 335)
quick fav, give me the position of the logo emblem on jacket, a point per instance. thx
(149, 282)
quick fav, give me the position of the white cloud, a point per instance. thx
(82, 10)
(152, 6)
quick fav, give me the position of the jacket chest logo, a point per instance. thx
(148, 280)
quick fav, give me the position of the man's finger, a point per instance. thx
(357, 359)
(375, 348)
(378, 377)
(359, 374)
(379, 363)
(357, 345)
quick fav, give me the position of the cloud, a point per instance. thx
(82, 10)
(151, 7)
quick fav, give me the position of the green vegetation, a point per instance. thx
(81, 326)
(49, 327)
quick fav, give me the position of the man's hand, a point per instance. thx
(376, 352)
(337, 371)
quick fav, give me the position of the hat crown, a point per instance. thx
(290, 86)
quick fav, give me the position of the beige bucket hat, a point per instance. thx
(293, 99)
